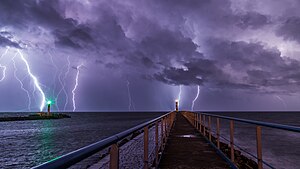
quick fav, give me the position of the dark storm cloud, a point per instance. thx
(240, 54)
(147, 62)
(290, 29)
(20, 13)
(48, 14)
(165, 43)
(262, 66)
(237, 65)
(161, 48)
(196, 71)
(112, 66)
(7, 42)
(253, 20)
(214, 14)
(151, 46)
(186, 5)
(75, 38)
(65, 41)
(176, 42)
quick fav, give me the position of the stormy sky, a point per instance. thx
(135, 55)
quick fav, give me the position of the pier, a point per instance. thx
(178, 139)
(38, 116)
(187, 148)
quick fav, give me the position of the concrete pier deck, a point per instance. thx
(187, 148)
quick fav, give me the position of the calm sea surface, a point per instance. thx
(281, 149)
(24, 144)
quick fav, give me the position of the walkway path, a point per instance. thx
(186, 148)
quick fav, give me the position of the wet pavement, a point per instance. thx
(186, 148)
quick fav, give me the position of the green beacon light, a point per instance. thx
(49, 102)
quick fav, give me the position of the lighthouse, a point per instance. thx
(49, 105)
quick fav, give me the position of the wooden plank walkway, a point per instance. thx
(187, 148)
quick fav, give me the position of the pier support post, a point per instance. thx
(259, 147)
(195, 120)
(218, 133)
(204, 125)
(146, 147)
(169, 124)
(161, 133)
(200, 129)
(209, 128)
(165, 129)
(114, 157)
(198, 122)
(231, 141)
(156, 143)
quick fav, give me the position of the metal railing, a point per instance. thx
(205, 128)
(166, 122)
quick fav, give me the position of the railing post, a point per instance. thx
(200, 123)
(195, 119)
(146, 147)
(165, 129)
(259, 147)
(156, 143)
(169, 124)
(161, 132)
(218, 133)
(231, 141)
(204, 125)
(209, 127)
(114, 157)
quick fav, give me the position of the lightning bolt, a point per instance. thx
(54, 80)
(63, 82)
(35, 80)
(56, 69)
(198, 91)
(179, 94)
(21, 83)
(75, 87)
(282, 101)
(129, 96)
(3, 67)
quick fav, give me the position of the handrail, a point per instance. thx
(76, 156)
(245, 151)
(198, 119)
(260, 123)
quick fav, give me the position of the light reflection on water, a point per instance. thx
(25, 144)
